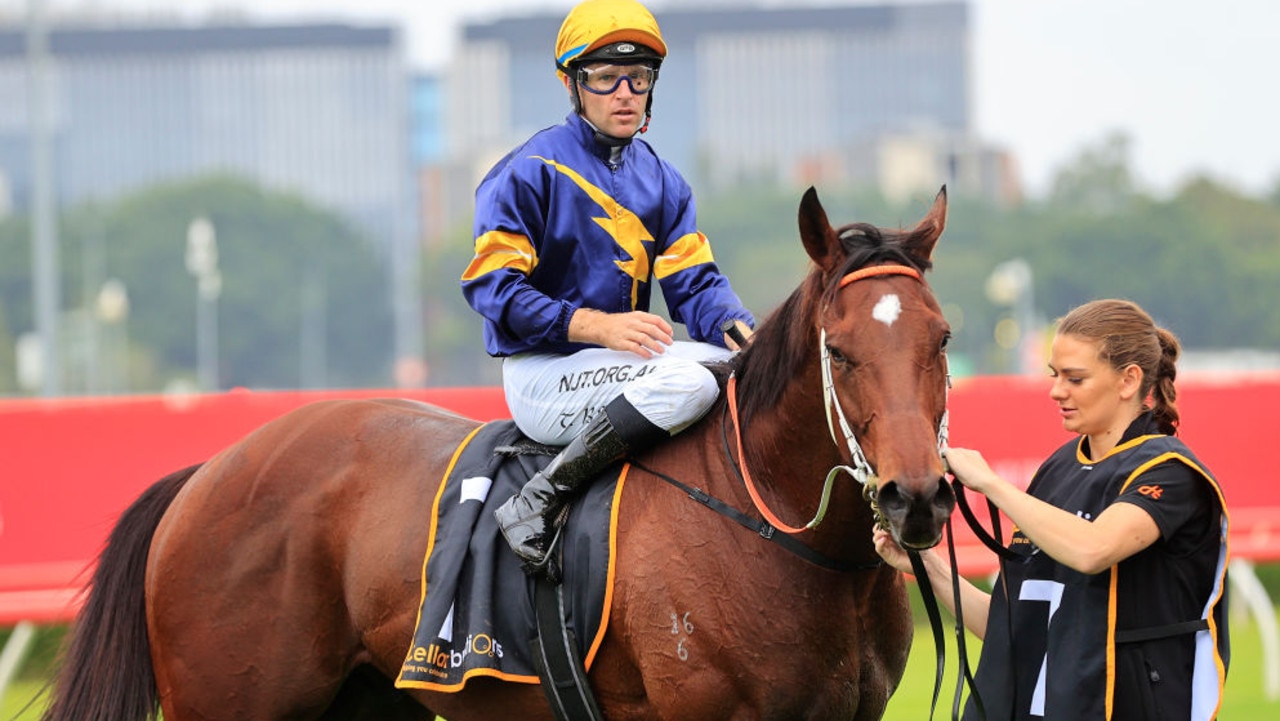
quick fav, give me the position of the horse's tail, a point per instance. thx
(106, 671)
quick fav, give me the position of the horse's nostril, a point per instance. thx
(945, 498)
(891, 499)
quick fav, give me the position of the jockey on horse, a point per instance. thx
(571, 229)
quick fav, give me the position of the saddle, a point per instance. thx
(480, 613)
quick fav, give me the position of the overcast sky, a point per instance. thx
(1192, 82)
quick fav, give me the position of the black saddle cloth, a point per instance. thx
(476, 617)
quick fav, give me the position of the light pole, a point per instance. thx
(46, 284)
(202, 263)
(112, 309)
(1010, 284)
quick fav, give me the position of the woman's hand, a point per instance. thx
(890, 551)
(645, 334)
(971, 468)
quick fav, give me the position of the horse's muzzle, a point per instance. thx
(917, 515)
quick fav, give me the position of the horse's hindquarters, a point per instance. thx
(294, 556)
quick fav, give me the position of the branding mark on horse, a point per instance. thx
(681, 624)
(887, 309)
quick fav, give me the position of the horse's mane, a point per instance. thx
(783, 341)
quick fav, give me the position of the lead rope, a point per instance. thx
(865, 475)
(926, 588)
(863, 472)
(964, 673)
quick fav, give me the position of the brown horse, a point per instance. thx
(280, 580)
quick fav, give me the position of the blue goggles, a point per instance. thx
(605, 79)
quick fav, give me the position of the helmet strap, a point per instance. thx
(648, 114)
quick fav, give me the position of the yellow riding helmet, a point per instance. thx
(594, 24)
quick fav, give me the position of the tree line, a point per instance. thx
(302, 287)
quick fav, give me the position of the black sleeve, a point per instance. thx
(1171, 492)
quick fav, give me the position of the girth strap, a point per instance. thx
(555, 655)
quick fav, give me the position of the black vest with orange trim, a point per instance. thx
(1113, 645)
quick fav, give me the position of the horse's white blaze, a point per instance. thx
(887, 309)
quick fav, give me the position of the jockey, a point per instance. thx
(572, 228)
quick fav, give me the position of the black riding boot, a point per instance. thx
(528, 519)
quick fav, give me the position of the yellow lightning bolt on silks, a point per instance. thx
(621, 224)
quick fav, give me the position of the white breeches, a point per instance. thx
(553, 397)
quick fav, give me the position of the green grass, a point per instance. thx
(18, 695)
(1244, 699)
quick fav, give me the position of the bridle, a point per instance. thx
(861, 470)
(864, 473)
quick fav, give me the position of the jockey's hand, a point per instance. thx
(744, 329)
(645, 334)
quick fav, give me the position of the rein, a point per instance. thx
(861, 471)
(750, 483)
(765, 531)
(864, 473)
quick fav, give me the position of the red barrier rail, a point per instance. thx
(41, 592)
(69, 466)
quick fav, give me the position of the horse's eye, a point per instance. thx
(946, 338)
(837, 356)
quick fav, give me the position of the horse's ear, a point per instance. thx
(819, 237)
(924, 238)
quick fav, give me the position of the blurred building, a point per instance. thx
(318, 110)
(851, 94)
(444, 195)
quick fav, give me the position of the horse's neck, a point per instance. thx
(789, 453)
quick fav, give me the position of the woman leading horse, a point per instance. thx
(280, 579)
